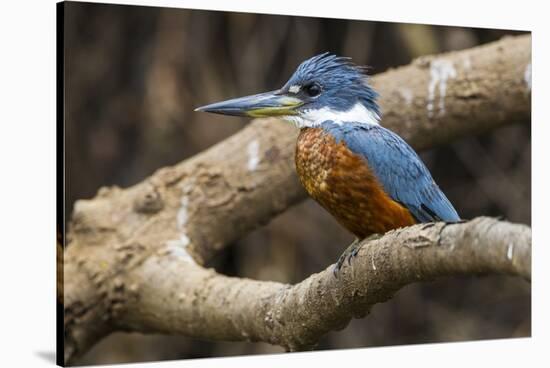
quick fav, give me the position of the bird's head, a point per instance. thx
(324, 87)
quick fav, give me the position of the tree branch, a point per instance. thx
(199, 206)
(174, 296)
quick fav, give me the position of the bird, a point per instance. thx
(365, 175)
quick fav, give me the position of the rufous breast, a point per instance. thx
(342, 182)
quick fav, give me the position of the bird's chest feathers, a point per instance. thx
(314, 161)
(326, 167)
(342, 182)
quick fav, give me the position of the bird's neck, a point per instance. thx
(358, 114)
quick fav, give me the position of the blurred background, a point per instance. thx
(133, 76)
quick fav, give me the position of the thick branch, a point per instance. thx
(208, 201)
(174, 296)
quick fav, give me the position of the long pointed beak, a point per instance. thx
(261, 105)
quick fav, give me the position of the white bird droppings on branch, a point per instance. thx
(440, 71)
(178, 248)
(510, 251)
(253, 150)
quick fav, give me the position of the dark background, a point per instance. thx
(135, 74)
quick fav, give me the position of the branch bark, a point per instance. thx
(197, 207)
(174, 296)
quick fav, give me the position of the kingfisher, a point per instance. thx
(366, 176)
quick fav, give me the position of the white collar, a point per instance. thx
(315, 117)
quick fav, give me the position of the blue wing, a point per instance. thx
(403, 175)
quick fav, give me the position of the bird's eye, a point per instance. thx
(313, 89)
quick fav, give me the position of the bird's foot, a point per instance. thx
(351, 252)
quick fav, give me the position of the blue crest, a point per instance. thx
(343, 83)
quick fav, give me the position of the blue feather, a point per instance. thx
(396, 165)
(344, 83)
